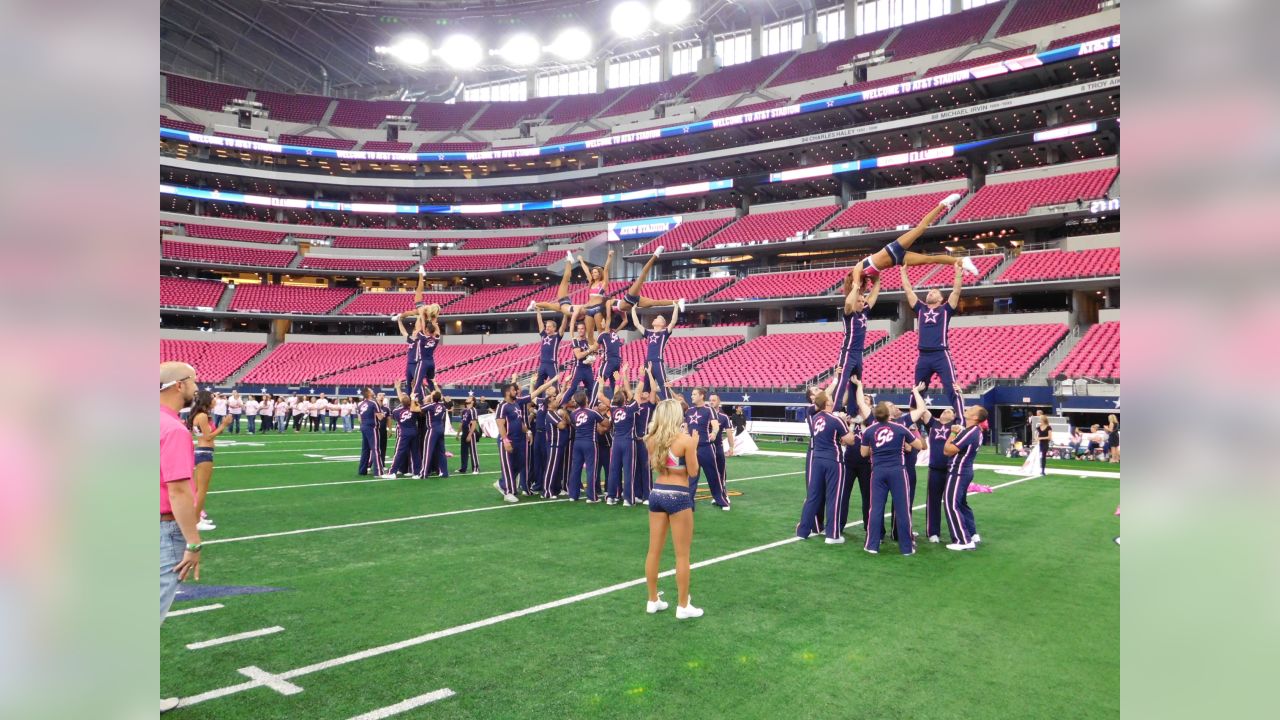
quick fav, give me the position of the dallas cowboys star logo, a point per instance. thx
(746, 397)
(862, 321)
(653, 339)
(546, 340)
(831, 103)
(931, 317)
(940, 433)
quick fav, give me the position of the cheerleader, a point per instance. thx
(205, 434)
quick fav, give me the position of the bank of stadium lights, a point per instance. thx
(460, 52)
(571, 44)
(630, 19)
(520, 50)
(408, 50)
(672, 12)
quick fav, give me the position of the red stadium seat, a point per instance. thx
(376, 243)
(464, 263)
(287, 299)
(213, 361)
(1000, 352)
(736, 78)
(887, 213)
(302, 362)
(577, 108)
(357, 264)
(494, 299)
(366, 113)
(1097, 355)
(690, 232)
(744, 109)
(385, 303)
(292, 108)
(176, 124)
(201, 94)
(974, 62)
(500, 243)
(225, 254)
(782, 362)
(386, 372)
(945, 276)
(1084, 37)
(445, 147)
(1041, 265)
(1031, 14)
(185, 292)
(765, 226)
(387, 146)
(506, 115)
(445, 116)
(576, 137)
(802, 283)
(1014, 199)
(941, 33)
(642, 98)
(856, 87)
(317, 141)
(826, 61)
(219, 232)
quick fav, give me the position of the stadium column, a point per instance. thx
(850, 19)
(757, 47)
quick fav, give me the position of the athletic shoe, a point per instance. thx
(724, 508)
(915, 533)
(422, 270)
(573, 499)
(592, 502)
(873, 552)
(655, 606)
(657, 251)
(1117, 539)
(977, 538)
(609, 501)
(568, 259)
(395, 317)
(646, 502)
(206, 525)
(934, 539)
(680, 304)
(967, 263)
(835, 541)
(961, 546)
(913, 552)
(388, 476)
(510, 498)
(626, 504)
(950, 201)
(533, 305)
(497, 485)
(684, 612)
(167, 704)
(475, 472)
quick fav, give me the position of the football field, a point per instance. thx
(349, 596)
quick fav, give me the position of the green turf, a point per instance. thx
(1027, 626)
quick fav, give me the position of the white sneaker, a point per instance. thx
(969, 267)
(655, 606)
(950, 201)
(609, 501)
(873, 552)
(206, 525)
(568, 259)
(592, 502)
(725, 508)
(684, 612)
(960, 546)
(626, 504)
(934, 539)
(475, 472)
(533, 305)
(646, 502)
(388, 476)
(835, 541)
(657, 251)
(977, 538)
(915, 533)
(680, 304)
(510, 498)
(395, 317)
(422, 270)
(167, 704)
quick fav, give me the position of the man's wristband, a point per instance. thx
(194, 547)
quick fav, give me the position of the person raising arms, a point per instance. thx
(898, 252)
(933, 321)
(857, 307)
(656, 340)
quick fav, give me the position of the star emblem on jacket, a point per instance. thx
(931, 316)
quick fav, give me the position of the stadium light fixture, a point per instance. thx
(672, 12)
(460, 52)
(520, 50)
(572, 44)
(409, 50)
(630, 19)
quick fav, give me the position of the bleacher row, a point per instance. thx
(911, 40)
(1030, 266)
(268, 237)
(780, 361)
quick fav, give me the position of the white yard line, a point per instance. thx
(409, 704)
(193, 610)
(234, 638)
(345, 482)
(529, 503)
(486, 622)
(329, 448)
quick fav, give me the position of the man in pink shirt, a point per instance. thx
(179, 537)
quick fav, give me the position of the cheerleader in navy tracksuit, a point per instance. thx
(826, 470)
(407, 459)
(646, 401)
(557, 440)
(531, 483)
(886, 442)
(701, 419)
(437, 414)
(857, 468)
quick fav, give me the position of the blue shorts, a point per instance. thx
(593, 310)
(669, 499)
(566, 306)
(896, 251)
(630, 299)
(204, 455)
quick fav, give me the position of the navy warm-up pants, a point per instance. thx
(938, 362)
(826, 484)
(621, 482)
(433, 453)
(583, 456)
(955, 500)
(370, 457)
(889, 482)
(470, 457)
(408, 455)
(933, 504)
(513, 465)
(710, 466)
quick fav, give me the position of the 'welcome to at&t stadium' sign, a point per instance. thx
(643, 228)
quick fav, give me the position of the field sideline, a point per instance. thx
(390, 590)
